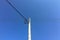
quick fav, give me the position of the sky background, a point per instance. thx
(45, 16)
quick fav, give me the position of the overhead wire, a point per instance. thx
(25, 20)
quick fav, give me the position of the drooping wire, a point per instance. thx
(25, 20)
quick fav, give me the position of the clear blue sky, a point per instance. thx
(45, 15)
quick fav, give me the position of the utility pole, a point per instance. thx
(27, 21)
(29, 29)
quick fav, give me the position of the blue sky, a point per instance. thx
(45, 15)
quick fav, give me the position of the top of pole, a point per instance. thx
(29, 19)
(25, 20)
